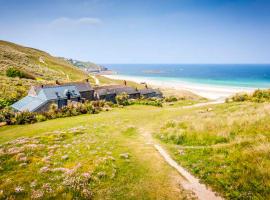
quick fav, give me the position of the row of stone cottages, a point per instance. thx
(40, 98)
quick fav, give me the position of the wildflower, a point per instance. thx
(19, 189)
(37, 194)
(87, 194)
(47, 188)
(44, 169)
(33, 184)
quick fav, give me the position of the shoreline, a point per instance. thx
(212, 92)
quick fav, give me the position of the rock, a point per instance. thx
(124, 155)
(65, 157)
(23, 164)
(181, 152)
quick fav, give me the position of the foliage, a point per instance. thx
(10, 117)
(227, 147)
(122, 99)
(25, 118)
(171, 99)
(259, 96)
(13, 89)
(150, 101)
(14, 72)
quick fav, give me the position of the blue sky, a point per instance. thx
(147, 31)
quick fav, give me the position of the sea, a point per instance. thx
(209, 80)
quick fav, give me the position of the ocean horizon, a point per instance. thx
(208, 80)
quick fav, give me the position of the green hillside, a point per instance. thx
(35, 65)
(111, 155)
(38, 63)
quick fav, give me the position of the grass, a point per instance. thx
(227, 146)
(95, 143)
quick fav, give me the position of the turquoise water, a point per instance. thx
(244, 75)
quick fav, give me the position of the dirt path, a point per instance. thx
(190, 182)
(96, 79)
(205, 104)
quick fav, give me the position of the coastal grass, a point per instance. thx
(101, 156)
(226, 146)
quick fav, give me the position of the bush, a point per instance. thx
(257, 96)
(5, 103)
(10, 117)
(41, 118)
(25, 118)
(7, 115)
(150, 102)
(122, 99)
(241, 97)
(14, 72)
(170, 99)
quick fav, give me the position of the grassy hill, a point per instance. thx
(37, 64)
(109, 156)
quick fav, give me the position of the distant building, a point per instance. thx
(149, 93)
(109, 92)
(40, 97)
(39, 100)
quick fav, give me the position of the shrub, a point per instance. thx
(14, 72)
(240, 97)
(25, 117)
(150, 102)
(122, 99)
(41, 118)
(170, 99)
(7, 115)
(257, 96)
(4, 103)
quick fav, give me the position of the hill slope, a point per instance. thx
(38, 64)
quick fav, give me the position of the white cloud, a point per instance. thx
(65, 21)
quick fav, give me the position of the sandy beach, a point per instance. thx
(212, 92)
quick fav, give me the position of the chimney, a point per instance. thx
(146, 86)
(87, 80)
(42, 86)
(57, 82)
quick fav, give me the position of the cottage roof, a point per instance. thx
(81, 87)
(58, 92)
(115, 89)
(28, 103)
(33, 102)
(147, 91)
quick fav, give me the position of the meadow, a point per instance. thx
(109, 156)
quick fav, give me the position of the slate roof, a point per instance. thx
(147, 91)
(32, 103)
(81, 86)
(115, 89)
(28, 103)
